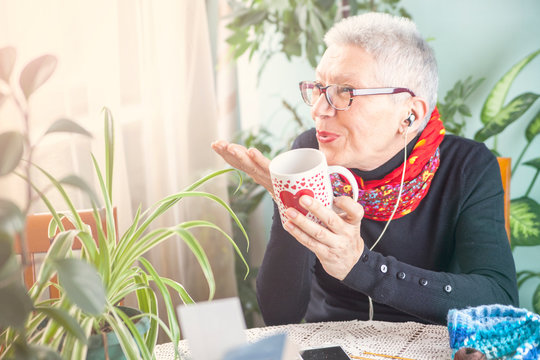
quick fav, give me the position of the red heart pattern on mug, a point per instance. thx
(289, 191)
(293, 200)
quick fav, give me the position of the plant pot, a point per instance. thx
(96, 349)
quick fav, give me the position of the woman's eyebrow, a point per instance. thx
(342, 79)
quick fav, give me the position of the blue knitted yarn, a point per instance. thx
(499, 331)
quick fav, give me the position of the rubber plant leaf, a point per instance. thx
(533, 128)
(536, 300)
(15, 304)
(6, 248)
(535, 163)
(525, 222)
(11, 151)
(36, 73)
(506, 116)
(7, 61)
(11, 217)
(66, 125)
(496, 98)
(82, 284)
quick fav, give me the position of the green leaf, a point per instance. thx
(67, 322)
(24, 350)
(536, 300)
(80, 183)
(66, 125)
(7, 61)
(109, 149)
(11, 217)
(535, 163)
(6, 249)
(15, 303)
(251, 17)
(525, 222)
(495, 100)
(506, 116)
(533, 128)
(59, 248)
(36, 73)
(11, 151)
(82, 284)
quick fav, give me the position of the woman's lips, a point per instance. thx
(326, 137)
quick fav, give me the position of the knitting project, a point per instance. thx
(499, 331)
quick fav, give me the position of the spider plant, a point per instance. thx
(108, 268)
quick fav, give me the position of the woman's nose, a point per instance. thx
(322, 108)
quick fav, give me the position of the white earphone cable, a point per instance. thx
(393, 212)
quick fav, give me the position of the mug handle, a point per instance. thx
(348, 175)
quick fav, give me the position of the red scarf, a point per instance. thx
(378, 197)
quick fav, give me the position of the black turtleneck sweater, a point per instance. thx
(452, 251)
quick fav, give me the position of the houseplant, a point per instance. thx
(93, 282)
(295, 28)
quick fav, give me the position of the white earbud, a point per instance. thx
(411, 119)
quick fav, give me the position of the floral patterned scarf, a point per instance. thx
(378, 197)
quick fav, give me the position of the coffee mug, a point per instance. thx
(301, 172)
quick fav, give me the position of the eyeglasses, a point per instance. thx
(341, 97)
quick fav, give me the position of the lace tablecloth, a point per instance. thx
(408, 340)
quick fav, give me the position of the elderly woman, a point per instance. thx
(426, 235)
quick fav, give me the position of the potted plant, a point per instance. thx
(93, 282)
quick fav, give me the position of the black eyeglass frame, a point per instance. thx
(352, 92)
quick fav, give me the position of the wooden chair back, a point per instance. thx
(38, 241)
(505, 164)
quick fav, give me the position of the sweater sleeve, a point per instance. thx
(284, 278)
(482, 270)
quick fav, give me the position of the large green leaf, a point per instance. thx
(82, 284)
(67, 322)
(536, 300)
(60, 247)
(533, 128)
(535, 163)
(11, 151)
(6, 249)
(67, 125)
(496, 98)
(81, 184)
(24, 350)
(11, 217)
(525, 222)
(506, 116)
(7, 61)
(15, 305)
(36, 73)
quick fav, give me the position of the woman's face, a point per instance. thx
(367, 134)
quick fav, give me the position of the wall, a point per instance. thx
(483, 38)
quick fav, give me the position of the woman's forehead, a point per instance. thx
(346, 64)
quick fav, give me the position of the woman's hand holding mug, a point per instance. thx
(304, 195)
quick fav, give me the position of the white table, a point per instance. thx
(408, 340)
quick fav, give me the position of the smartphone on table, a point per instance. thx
(325, 353)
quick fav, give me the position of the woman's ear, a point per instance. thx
(419, 108)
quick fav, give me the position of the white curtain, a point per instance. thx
(150, 63)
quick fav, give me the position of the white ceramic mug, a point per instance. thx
(301, 172)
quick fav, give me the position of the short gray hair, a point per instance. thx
(403, 56)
